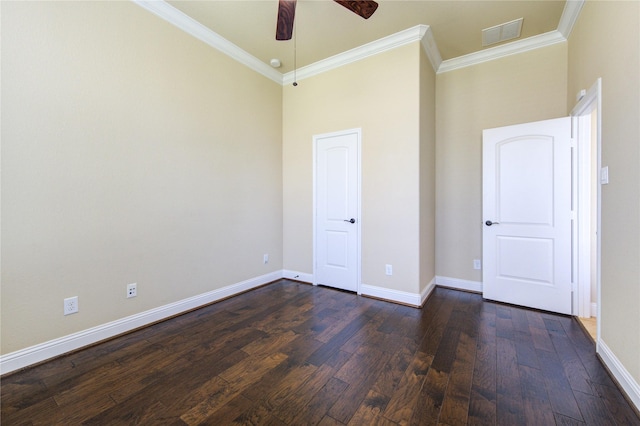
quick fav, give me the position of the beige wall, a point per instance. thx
(606, 43)
(131, 152)
(379, 94)
(530, 86)
(427, 171)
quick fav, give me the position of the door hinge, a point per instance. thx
(574, 143)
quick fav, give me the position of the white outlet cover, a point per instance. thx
(70, 305)
(132, 290)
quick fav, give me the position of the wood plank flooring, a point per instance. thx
(294, 354)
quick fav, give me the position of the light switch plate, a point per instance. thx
(604, 175)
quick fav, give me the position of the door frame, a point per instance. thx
(316, 138)
(581, 132)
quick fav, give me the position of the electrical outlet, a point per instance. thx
(477, 264)
(70, 305)
(132, 290)
(265, 259)
(388, 269)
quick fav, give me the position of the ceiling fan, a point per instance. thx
(287, 11)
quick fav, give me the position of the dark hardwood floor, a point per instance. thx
(294, 354)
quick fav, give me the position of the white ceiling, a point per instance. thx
(324, 29)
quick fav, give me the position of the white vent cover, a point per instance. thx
(502, 32)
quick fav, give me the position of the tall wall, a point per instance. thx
(427, 172)
(131, 152)
(605, 43)
(526, 87)
(381, 95)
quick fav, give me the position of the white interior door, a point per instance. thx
(527, 215)
(337, 209)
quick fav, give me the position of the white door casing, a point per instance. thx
(337, 209)
(586, 117)
(527, 215)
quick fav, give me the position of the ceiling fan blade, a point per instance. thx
(363, 8)
(286, 14)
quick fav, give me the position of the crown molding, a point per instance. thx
(420, 33)
(569, 16)
(531, 43)
(568, 19)
(384, 44)
(175, 17)
(431, 49)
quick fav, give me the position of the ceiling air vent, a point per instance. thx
(502, 32)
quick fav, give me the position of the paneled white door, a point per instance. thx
(526, 240)
(337, 209)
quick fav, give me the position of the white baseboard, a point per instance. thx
(297, 276)
(427, 291)
(43, 351)
(373, 291)
(624, 378)
(413, 299)
(459, 284)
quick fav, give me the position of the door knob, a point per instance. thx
(352, 220)
(489, 223)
